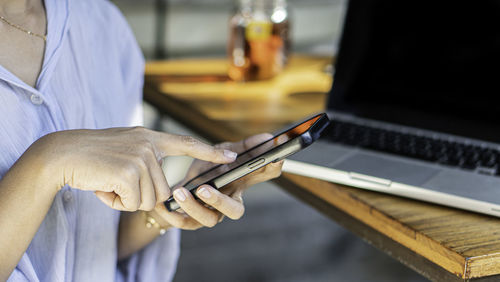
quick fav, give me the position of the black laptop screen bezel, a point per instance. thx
(439, 74)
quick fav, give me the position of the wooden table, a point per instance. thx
(442, 244)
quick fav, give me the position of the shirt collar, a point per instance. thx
(57, 12)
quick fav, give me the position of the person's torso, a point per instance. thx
(91, 78)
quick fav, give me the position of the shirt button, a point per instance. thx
(67, 196)
(36, 99)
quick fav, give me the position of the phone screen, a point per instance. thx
(250, 154)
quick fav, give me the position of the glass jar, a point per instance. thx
(259, 41)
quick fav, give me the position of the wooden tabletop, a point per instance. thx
(441, 243)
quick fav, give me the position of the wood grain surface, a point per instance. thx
(439, 242)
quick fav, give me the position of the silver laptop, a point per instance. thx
(412, 107)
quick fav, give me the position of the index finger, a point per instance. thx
(176, 145)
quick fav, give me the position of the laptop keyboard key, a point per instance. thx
(455, 154)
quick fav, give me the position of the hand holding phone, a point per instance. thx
(212, 205)
(275, 149)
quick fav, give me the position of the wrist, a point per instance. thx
(44, 175)
(152, 221)
(39, 162)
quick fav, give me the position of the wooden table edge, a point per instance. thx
(466, 267)
(378, 239)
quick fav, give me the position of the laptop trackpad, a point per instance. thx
(388, 168)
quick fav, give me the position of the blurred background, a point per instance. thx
(279, 238)
(199, 28)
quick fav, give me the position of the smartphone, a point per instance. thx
(275, 149)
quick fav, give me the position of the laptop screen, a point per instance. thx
(433, 65)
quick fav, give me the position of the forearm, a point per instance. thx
(133, 233)
(25, 198)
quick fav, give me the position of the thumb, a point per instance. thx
(175, 145)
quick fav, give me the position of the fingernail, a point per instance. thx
(204, 192)
(179, 195)
(230, 154)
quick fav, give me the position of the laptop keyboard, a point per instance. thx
(455, 154)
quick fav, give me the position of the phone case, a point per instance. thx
(275, 154)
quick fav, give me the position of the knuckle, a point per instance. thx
(148, 204)
(216, 152)
(189, 141)
(130, 209)
(145, 145)
(150, 152)
(137, 164)
(124, 199)
(117, 189)
(142, 167)
(224, 145)
(129, 172)
(136, 205)
(216, 201)
(144, 148)
(149, 207)
(164, 194)
(211, 222)
(132, 205)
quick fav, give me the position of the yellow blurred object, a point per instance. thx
(304, 74)
(257, 30)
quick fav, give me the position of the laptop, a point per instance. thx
(413, 105)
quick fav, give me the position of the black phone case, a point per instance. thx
(274, 155)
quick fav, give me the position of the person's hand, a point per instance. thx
(215, 204)
(122, 165)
